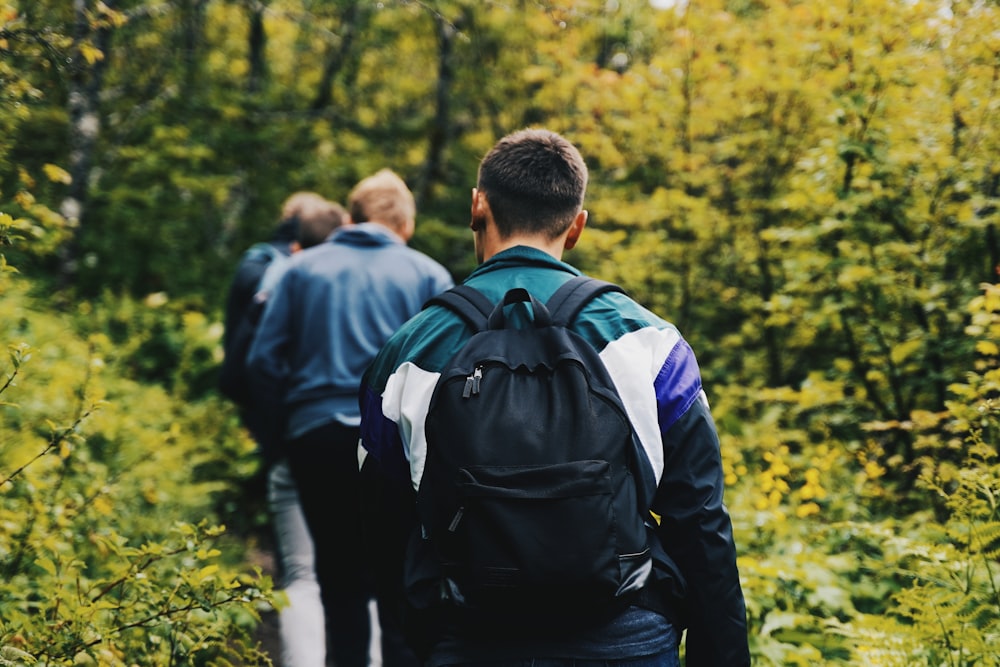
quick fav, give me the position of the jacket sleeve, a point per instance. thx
(267, 362)
(695, 527)
(380, 433)
(380, 436)
(397, 387)
(240, 296)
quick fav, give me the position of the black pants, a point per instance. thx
(389, 516)
(350, 557)
(324, 463)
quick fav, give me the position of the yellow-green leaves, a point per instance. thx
(100, 545)
(57, 174)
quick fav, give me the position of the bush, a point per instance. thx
(111, 548)
(842, 565)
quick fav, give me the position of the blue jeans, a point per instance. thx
(301, 623)
(636, 630)
(663, 641)
(667, 658)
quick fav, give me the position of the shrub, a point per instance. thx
(111, 548)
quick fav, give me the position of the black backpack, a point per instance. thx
(233, 375)
(529, 497)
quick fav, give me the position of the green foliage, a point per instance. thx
(945, 608)
(810, 191)
(109, 553)
(156, 340)
(952, 607)
(165, 602)
(839, 570)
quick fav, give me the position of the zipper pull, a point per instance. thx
(453, 526)
(472, 382)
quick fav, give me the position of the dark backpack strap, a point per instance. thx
(567, 301)
(564, 305)
(262, 252)
(467, 302)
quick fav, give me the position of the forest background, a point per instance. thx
(808, 190)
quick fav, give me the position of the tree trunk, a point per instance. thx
(256, 45)
(192, 37)
(336, 57)
(439, 131)
(84, 130)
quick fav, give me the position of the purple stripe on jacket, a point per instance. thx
(677, 385)
(380, 436)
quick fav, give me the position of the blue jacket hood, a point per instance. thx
(366, 234)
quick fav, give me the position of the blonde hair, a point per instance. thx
(383, 197)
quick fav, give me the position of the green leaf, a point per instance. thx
(46, 564)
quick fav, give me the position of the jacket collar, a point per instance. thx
(366, 234)
(523, 256)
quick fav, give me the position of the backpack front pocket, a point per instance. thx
(542, 530)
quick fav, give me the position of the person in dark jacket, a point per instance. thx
(254, 262)
(526, 210)
(301, 622)
(307, 219)
(326, 317)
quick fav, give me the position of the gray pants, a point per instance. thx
(301, 623)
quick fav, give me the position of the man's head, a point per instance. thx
(317, 220)
(296, 201)
(534, 181)
(288, 224)
(384, 198)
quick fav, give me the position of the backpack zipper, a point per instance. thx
(453, 526)
(472, 383)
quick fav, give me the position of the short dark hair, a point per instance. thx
(291, 208)
(317, 220)
(534, 181)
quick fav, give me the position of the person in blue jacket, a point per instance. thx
(527, 209)
(301, 623)
(327, 316)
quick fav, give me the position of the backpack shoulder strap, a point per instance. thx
(567, 301)
(468, 303)
(263, 250)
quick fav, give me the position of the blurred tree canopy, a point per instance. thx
(809, 190)
(803, 189)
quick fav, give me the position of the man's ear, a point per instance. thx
(476, 212)
(409, 227)
(575, 229)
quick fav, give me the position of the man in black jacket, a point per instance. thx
(526, 210)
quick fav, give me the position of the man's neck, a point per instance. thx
(552, 247)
